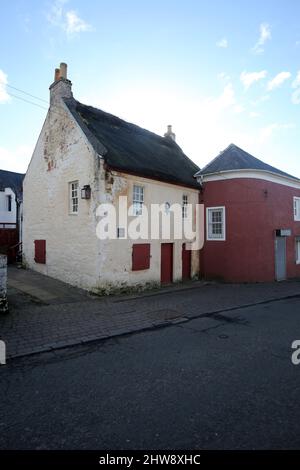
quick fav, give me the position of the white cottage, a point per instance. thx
(85, 157)
(10, 199)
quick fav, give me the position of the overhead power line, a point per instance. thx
(26, 93)
(27, 101)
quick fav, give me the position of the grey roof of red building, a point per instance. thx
(234, 158)
(129, 148)
(14, 181)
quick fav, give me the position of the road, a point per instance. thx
(223, 382)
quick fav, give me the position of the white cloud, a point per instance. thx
(223, 101)
(238, 108)
(68, 20)
(56, 14)
(254, 114)
(296, 82)
(74, 24)
(224, 76)
(248, 78)
(296, 93)
(278, 80)
(296, 96)
(15, 159)
(265, 35)
(260, 100)
(267, 132)
(4, 96)
(222, 43)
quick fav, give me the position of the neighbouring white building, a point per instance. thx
(11, 195)
(10, 199)
(8, 208)
(85, 157)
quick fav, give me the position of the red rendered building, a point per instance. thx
(252, 220)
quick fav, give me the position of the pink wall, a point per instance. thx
(254, 210)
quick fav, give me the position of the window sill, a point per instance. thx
(216, 239)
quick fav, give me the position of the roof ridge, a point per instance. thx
(128, 147)
(235, 158)
(214, 159)
(128, 123)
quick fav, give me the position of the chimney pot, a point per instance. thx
(63, 70)
(57, 75)
(62, 87)
(170, 134)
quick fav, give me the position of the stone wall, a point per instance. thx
(3, 284)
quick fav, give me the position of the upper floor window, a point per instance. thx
(74, 196)
(138, 199)
(8, 203)
(215, 223)
(184, 206)
(297, 208)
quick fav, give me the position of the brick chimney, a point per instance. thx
(170, 134)
(61, 87)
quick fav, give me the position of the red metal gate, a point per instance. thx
(166, 267)
(186, 263)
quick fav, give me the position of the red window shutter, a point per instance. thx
(140, 256)
(40, 251)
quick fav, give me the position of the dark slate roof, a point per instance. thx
(9, 179)
(234, 158)
(132, 149)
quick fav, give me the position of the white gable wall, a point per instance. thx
(62, 155)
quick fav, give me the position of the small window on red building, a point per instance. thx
(140, 256)
(40, 251)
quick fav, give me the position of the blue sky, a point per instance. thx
(218, 71)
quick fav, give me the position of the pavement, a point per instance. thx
(223, 381)
(46, 314)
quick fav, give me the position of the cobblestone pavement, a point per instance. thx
(46, 314)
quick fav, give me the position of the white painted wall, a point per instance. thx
(116, 255)
(62, 155)
(5, 215)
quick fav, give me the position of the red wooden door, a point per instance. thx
(166, 267)
(186, 263)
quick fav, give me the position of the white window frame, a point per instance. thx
(185, 200)
(138, 199)
(297, 248)
(73, 197)
(297, 209)
(208, 223)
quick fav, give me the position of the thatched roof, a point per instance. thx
(129, 148)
